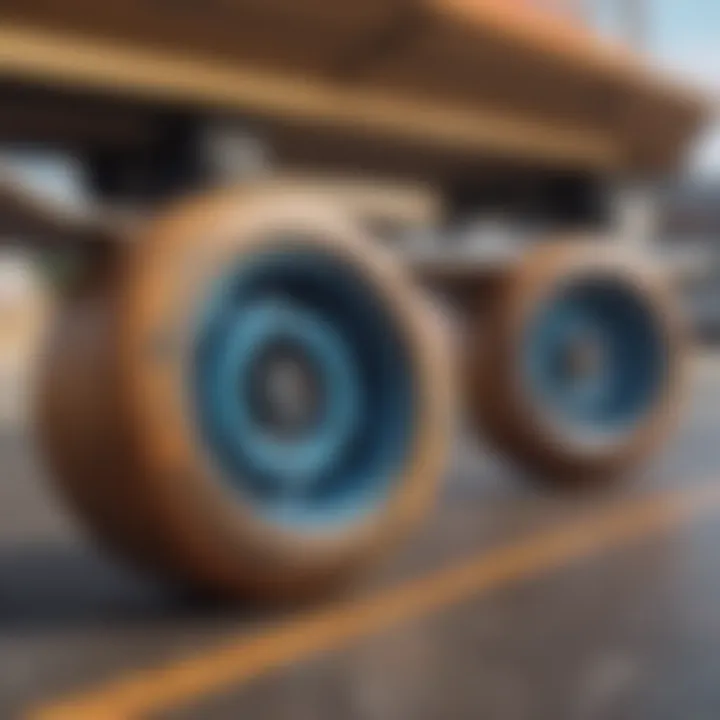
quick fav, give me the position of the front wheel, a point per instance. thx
(257, 404)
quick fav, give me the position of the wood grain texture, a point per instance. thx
(450, 75)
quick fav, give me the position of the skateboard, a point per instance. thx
(251, 386)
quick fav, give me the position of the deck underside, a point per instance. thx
(448, 82)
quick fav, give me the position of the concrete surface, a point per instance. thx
(629, 632)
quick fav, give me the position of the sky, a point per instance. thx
(684, 36)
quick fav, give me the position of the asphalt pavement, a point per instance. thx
(504, 607)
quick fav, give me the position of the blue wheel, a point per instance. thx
(580, 367)
(304, 388)
(285, 392)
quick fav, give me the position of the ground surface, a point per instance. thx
(511, 604)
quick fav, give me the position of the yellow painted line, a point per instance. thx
(186, 681)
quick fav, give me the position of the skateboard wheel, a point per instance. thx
(578, 370)
(81, 428)
(277, 405)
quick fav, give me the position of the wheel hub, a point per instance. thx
(303, 387)
(582, 359)
(595, 358)
(287, 392)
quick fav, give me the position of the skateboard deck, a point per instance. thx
(436, 84)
